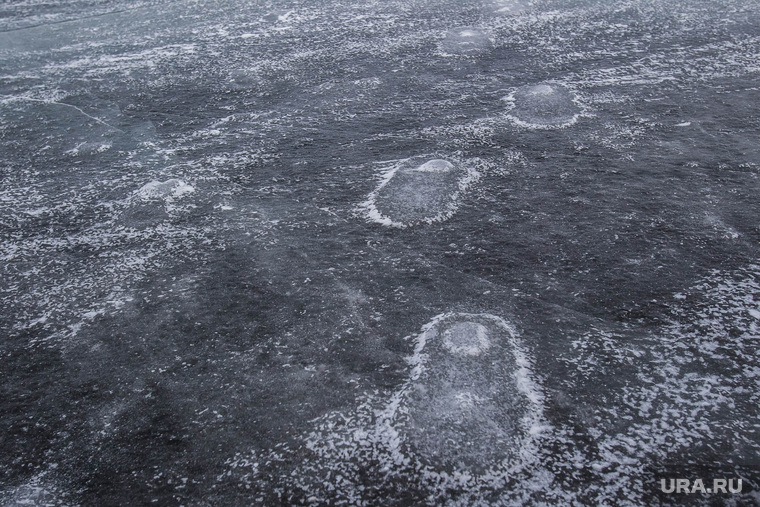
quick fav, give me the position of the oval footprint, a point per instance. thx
(466, 41)
(544, 105)
(153, 202)
(418, 191)
(471, 404)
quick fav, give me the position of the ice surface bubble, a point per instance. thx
(544, 105)
(466, 41)
(279, 15)
(169, 189)
(416, 191)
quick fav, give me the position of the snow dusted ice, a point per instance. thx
(471, 403)
(223, 225)
(165, 190)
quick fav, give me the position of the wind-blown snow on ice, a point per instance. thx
(603, 194)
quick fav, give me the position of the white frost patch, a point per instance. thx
(38, 491)
(725, 230)
(436, 166)
(466, 339)
(510, 7)
(695, 385)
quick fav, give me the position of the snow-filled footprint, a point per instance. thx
(419, 190)
(544, 105)
(468, 418)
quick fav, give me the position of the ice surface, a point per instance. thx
(470, 404)
(39, 491)
(466, 338)
(465, 421)
(510, 7)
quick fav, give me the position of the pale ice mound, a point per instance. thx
(466, 41)
(166, 190)
(469, 417)
(545, 105)
(419, 191)
(154, 202)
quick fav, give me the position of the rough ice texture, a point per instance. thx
(466, 422)
(510, 7)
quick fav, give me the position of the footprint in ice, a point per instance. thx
(164, 190)
(545, 105)
(418, 191)
(38, 490)
(153, 202)
(468, 418)
(466, 41)
(471, 404)
(510, 7)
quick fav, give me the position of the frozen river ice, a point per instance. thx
(418, 252)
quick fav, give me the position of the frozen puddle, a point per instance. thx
(417, 191)
(466, 41)
(468, 419)
(545, 105)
